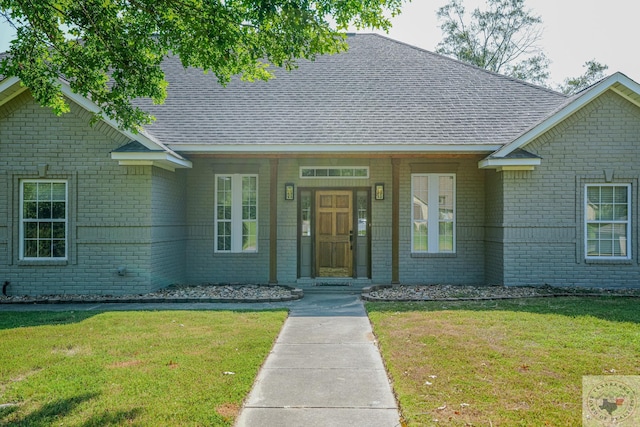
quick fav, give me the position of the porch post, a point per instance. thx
(395, 221)
(273, 223)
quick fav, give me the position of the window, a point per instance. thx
(43, 219)
(236, 213)
(305, 212)
(349, 172)
(433, 233)
(362, 202)
(607, 221)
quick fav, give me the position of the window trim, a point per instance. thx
(586, 221)
(236, 213)
(23, 221)
(434, 221)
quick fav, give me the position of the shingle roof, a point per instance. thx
(379, 92)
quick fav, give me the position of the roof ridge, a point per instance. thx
(466, 64)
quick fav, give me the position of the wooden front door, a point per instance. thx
(334, 228)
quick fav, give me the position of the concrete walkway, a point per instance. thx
(324, 370)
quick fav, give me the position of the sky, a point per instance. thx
(574, 31)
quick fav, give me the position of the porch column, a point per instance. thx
(273, 223)
(395, 221)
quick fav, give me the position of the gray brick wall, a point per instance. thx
(543, 222)
(494, 249)
(466, 266)
(169, 232)
(203, 265)
(289, 172)
(380, 171)
(109, 205)
(516, 228)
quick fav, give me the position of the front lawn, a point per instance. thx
(168, 368)
(504, 363)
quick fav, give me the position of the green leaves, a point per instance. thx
(111, 50)
(594, 72)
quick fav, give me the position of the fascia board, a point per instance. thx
(335, 148)
(8, 83)
(504, 164)
(153, 156)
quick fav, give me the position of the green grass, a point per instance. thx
(513, 362)
(144, 368)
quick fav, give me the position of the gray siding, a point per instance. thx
(543, 218)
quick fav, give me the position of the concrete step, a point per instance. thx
(331, 289)
(333, 285)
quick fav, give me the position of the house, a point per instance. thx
(387, 164)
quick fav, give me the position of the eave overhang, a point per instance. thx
(509, 164)
(161, 159)
(9, 89)
(335, 148)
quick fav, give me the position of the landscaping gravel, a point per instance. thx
(454, 292)
(200, 293)
(273, 293)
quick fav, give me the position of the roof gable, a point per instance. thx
(11, 87)
(618, 83)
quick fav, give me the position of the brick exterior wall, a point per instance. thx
(109, 206)
(169, 227)
(466, 266)
(494, 247)
(203, 264)
(543, 209)
(513, 228)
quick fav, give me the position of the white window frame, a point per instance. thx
(627, 222)
(433, 221)
(24, 221)
(236, 214)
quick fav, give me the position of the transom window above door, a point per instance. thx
(353, 172)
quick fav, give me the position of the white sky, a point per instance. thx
(575, 31)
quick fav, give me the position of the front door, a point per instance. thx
(334, 233)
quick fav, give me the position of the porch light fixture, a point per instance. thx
(288, 191)
(379, 191)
